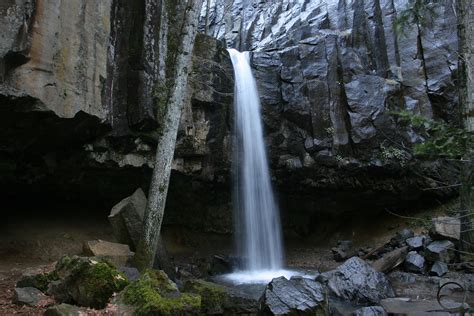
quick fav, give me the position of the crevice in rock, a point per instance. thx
(381, 56)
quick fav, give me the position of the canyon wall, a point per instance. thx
(81, 85)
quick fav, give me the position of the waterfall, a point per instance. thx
(257, 221)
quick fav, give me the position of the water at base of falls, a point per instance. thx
(258, 276)
(258, 227)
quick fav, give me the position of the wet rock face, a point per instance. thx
(61, 58)
(330, 74)
(80, 91)
(357, 281)
(295, 296)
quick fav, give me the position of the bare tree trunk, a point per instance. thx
(148, 245)
(466, 101)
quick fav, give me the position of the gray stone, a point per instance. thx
(446, 228)
(402, 236)
(371, 311)
(295, 296)
(356, 280)
(66, 310)
(441, 250)
(406, 306)
(39, 281)
(416, 243)
(58, 290)
(131, 273)
(66, 67)
(414, 262)
(439, 269)
(126, 218)
(14, 21)
(118, 254)
(240, 301)
(28, 296)
(213, 296)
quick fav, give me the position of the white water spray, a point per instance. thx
(258, 221)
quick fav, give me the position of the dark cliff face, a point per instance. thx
(80, 96)
(331, 74)
(81, 87)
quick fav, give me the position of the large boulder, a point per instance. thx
(155, 294)
(118, 254)
(213, 296)
(89, 282)
(298, 295)
(356, 280)
(126, 218)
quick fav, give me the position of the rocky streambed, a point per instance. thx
(401, 275)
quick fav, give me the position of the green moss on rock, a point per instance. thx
(213, 296)
(155, 294)
(90, 282)
(39, 281)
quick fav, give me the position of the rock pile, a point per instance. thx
(425, 253)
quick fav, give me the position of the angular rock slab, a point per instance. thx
(66, 310)
(357, 281)
(118, 254)
(414, 262)
(445, 227)
(439, 269)
(440, 250)
(28, 296)
(371, 311)
(299, 296)
(402, 236)
(126, 218)
(415, 243)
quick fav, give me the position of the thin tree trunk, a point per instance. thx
(148, 245)
(466, 101)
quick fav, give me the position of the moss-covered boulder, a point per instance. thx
(155, 294)
(213, 296)
(88, 281)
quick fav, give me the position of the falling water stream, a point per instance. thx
(257, 222)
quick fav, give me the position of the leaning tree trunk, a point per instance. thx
(148, 245)
(466, 100)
